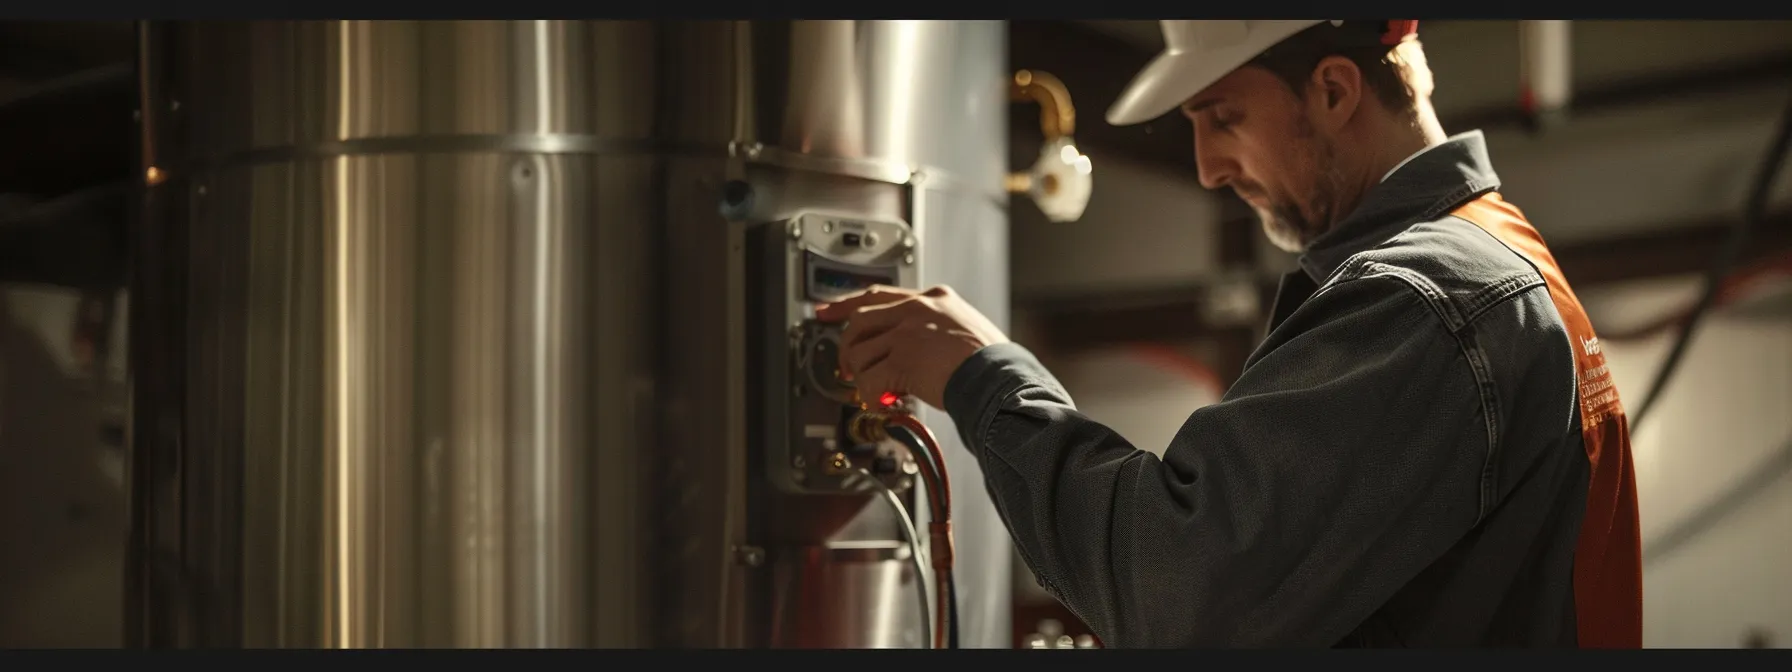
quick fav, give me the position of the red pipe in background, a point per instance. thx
(1737, 287)
(1174, 360)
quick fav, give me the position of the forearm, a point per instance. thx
(1054, 476)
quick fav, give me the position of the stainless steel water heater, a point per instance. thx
(450, 333)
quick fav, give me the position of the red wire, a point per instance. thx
(940, 528)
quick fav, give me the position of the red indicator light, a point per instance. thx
(889, 399)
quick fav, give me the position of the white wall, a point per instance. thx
(1143, 394)
(1727, 411)
(1626, 172)
(62, 495)
(1143, 230)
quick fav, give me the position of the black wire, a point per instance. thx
(1754, 211)
(951, 611)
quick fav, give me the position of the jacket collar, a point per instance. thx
(1429, 184)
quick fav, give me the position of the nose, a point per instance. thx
(1214, 167)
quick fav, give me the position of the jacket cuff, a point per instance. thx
(976, 390)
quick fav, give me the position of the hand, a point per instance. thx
(907, 341)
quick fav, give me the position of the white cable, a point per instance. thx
(914, 555)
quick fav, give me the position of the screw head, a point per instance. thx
(751, 556)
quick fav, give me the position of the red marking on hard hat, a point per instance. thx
(1399, 30)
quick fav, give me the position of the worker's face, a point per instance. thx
(1255, 135)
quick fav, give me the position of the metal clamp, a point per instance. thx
(737, 199)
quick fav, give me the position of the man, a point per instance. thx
(1425, 451)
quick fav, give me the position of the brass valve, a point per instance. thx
(1059, 182)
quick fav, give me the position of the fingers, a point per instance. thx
(871, 321)
(877, 294)
(867, 353)
(883, 376)
(878, 320)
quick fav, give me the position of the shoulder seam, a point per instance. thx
(1459, 330)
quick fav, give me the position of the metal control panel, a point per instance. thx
(805, 405)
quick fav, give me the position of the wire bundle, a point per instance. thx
(872, 425)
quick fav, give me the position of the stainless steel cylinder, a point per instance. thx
(418, 326)
(843, 107)
(438, 336)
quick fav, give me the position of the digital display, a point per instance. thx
(847, 282)
(829, 280)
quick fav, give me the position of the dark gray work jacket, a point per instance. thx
(1402, 462)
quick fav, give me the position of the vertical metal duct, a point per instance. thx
(439, 338)
(1546, 64)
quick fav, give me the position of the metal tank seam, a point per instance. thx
(891, 172)
(876, 170)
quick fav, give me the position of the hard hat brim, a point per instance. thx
(1175, 76)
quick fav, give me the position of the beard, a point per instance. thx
(1286, 228)
(1291, 224)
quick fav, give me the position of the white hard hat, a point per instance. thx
(1196, 54)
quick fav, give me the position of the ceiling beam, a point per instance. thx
(1679, 250)
(70, 133)
(1751, 74)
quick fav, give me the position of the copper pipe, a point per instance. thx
(1057, 116)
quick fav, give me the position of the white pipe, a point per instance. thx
(1545, 62)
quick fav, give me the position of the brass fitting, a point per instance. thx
(838, 464)
(1057, 116)
(868, 427)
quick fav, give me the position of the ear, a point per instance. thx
(1340, 87)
